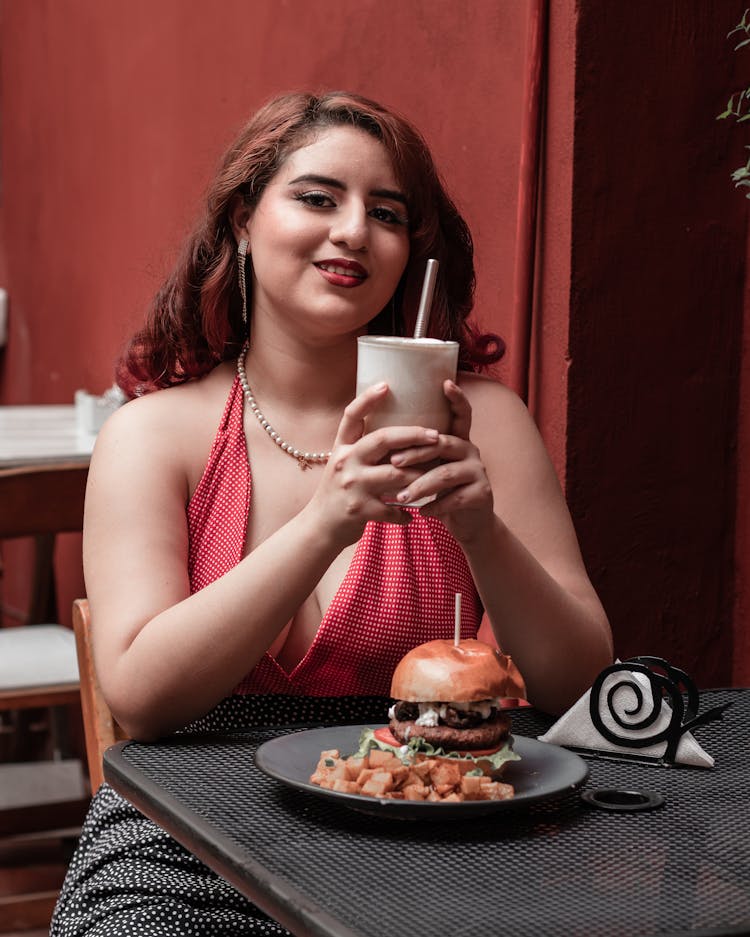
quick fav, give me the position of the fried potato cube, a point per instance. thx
(455, 797)
(354, 767)
(331, 756)
(415, 791)
(382, 759)
(500, 791)
(412, 778)
(471, 787)
(423, 767)
(344, 787)
(364, 776)
(338, 771)
(445, 773)
(495, 790)
(319, 775)
(400, 775)
(378, 784)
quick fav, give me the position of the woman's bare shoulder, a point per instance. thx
(169, 421)
(490, 397)
(503, 428)
(173, 404)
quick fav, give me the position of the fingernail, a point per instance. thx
(381, 385)
(432, 434)
(398, 459)
(402, 496)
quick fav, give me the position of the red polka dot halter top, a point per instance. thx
(399, 590)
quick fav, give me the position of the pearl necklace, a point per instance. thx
(305, 459)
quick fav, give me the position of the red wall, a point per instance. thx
(115, 115)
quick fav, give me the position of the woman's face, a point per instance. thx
(329, 237)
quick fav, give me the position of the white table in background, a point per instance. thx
(33, 434)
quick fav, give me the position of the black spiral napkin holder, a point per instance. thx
(666, 683)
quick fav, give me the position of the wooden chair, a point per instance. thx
(39, 672)
(100, 728)
(38, 667)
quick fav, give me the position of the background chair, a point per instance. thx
(100, 728)
(39, 704)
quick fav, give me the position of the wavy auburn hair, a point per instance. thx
(195, 320)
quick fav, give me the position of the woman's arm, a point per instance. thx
(508, 512)
(164, 656)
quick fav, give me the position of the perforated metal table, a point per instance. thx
(559, 868)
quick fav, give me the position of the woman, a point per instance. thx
(233, 580)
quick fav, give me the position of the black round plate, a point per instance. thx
(544, 772)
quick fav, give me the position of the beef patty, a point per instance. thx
(490, 734)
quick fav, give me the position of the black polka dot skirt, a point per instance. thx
(128, 878)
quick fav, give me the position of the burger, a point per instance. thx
(447, 703)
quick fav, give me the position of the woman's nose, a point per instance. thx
(350, 228)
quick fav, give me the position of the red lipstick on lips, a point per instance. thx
(340, 272)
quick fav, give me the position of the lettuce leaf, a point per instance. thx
(417, 746)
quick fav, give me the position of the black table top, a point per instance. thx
(557, 868)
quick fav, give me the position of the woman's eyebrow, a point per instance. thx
(392, 194)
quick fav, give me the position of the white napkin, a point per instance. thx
(91, 411)
(575, 728)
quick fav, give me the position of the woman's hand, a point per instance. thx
(361, 475)
(464, 500)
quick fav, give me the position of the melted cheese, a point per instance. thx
(431, 713)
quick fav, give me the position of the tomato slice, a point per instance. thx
(388, 738)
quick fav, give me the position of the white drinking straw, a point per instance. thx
(457, 623)
(425, 303)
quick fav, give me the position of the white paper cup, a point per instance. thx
(414, 370)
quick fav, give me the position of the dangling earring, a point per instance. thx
(241, 259)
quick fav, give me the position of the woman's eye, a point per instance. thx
(388, 215)
(315, 199)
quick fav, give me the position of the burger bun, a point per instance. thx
(445, 671)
